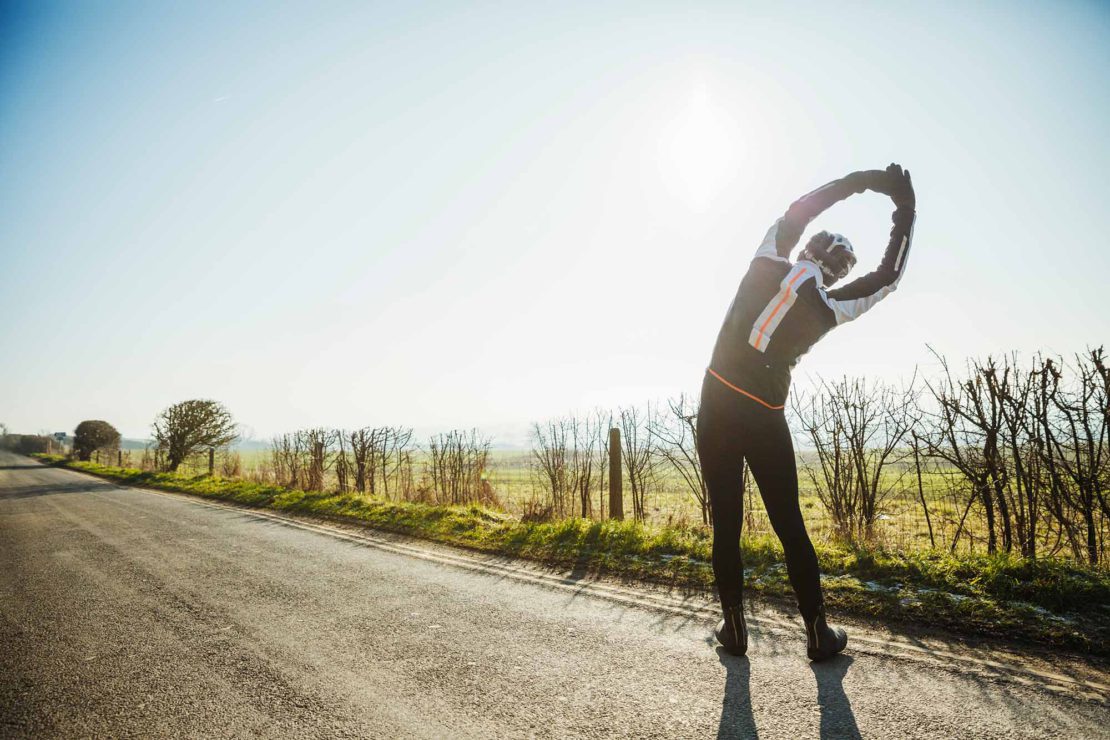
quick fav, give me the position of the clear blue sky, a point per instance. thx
(485, 214)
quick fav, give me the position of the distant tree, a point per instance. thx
(189, 427)
(92, 435)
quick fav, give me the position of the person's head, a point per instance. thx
(833, 253)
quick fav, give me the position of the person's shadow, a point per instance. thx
(737, 720)
(837, 719)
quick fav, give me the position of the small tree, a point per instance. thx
(457, 467)
(855, 428)
(550, 451)
(189, 427)
(639, 455)
(677, 442)
(92, 435)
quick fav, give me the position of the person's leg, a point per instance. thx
(722, 465)
(771, 457)
(720, 434)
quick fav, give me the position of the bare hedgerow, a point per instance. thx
(569, 460)
(1025, 446)
(1074, 445)
(287, 457)
(395, 462)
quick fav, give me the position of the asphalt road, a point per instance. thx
(131, 613)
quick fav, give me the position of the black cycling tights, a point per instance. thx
(732, 429)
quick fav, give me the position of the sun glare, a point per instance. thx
(700, 149)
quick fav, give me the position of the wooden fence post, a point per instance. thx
(211, 461)
(616, 503)
(119, 458)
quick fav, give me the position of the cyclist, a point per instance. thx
(780, 310)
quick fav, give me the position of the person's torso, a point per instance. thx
(778, 314)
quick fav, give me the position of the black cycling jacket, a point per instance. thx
(781, 309)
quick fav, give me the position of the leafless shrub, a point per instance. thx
(639, 455)
(457, 466)
(855, 429)
(396, 449)
(583, 462)
(287, 454)
(318, 443)
(569, 460)
(381, 460)
(599, 447)
(550, 442)
(342, 463)
(231, 466)
(677, 443)
(536, 511)
(363, 444)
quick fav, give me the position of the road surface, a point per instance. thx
(130, 613)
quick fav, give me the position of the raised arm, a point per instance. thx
(784, 234)
(854, 299)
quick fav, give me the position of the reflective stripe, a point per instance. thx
(772, 315)
(901, 252)
(907, 240)
(743, 392)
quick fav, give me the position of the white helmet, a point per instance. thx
(833, 253)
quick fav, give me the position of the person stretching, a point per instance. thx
(780, 310)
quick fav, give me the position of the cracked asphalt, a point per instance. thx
(125, 613)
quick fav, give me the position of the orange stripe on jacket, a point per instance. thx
(743, 392)
(785, 296)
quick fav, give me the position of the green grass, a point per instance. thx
(1047, 601)
(901, 526)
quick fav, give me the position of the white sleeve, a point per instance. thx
(769, 247)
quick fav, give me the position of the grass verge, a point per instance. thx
(1046, 601)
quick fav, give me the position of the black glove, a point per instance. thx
(897, 184)
(868, 180)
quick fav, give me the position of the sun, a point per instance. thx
(700, 149)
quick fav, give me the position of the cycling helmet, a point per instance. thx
(833, 253)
